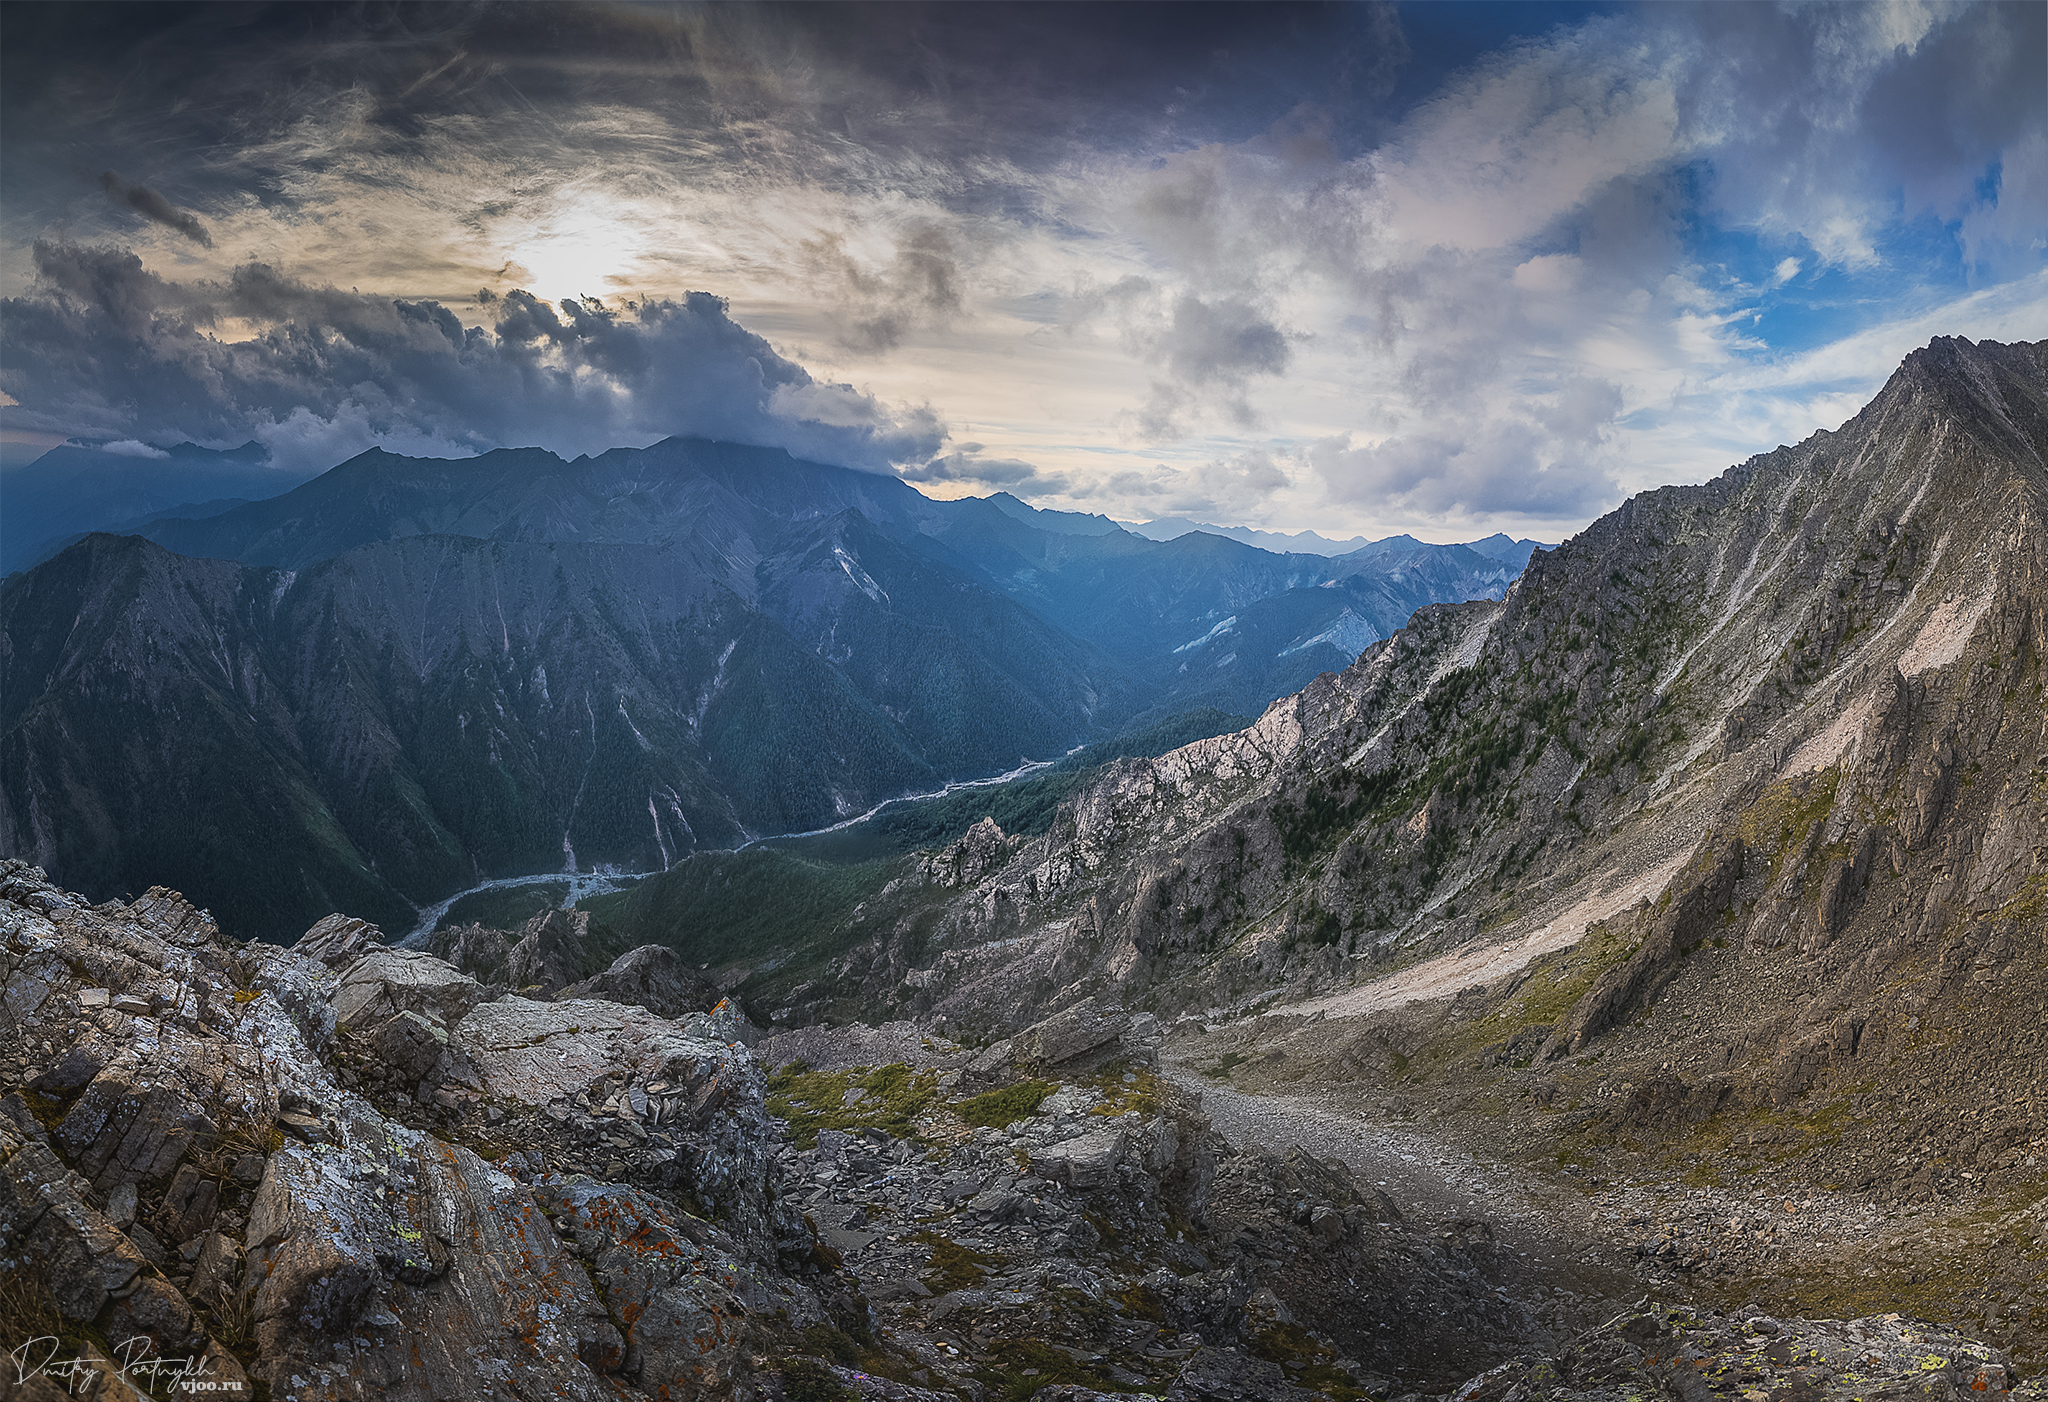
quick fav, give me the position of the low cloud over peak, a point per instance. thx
(122, 352)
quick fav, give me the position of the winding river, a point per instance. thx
(603, 879)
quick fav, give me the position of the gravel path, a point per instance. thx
(1568, 1271)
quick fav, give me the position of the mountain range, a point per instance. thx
(1496, 547)
(1828, 658)
(407, 675)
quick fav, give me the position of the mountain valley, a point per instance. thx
(1630, 985)
(1714, 852)
(407, 676)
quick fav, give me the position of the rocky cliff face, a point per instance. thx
(238, 1151)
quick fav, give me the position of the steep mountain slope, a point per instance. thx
(382, 727)
(1797, 710)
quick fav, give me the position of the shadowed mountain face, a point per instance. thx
(409, 674)
(394, 722)
(69, 491)
(1141, 601)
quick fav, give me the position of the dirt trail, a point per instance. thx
(1572, 1275)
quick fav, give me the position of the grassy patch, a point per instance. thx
(891, 1098)
(1018, 1368)
(953, 1266)
(1779, 1135)
(1224, 1065)
(1140, 1092)
(723, 907)
(999, 1109)
(1309, 1362)
(2029, 903)
(808, 1380)
(1553, 987)
(1786, 812)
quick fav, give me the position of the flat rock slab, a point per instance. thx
(533, 1053)
(386, 982)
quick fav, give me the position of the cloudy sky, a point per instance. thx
(1437, 268)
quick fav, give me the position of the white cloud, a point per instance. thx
(132, 448)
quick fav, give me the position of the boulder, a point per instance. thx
(477, 950)
(386, 982)
(680, 1287)
(154, 1310)
(1084, 1162)
(556, 948)
(1064, 1037)
(338, 940)
(653, 977)
(530, 1053)
(1231, 1375)
(217, 1271)
(340, 1311)
(411, 1044)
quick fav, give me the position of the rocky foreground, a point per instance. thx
(347, 1170)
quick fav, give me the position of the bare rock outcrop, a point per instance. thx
(338, 940)
(654, 977)
(477, 950)
(196, 1155)
(555, 949)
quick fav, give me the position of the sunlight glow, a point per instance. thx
(585, 251)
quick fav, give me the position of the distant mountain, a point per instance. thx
(1137, 599)
(1495, 547)
(68, 491)
(1165, 528)
(1064, 522)
(408, 674)
(383, 728)
(1285, 618)
(682, 488)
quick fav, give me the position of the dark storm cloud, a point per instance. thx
(107, 348)
(1213, 348)
(966, 464)
(153, 206)
(1444, 230)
